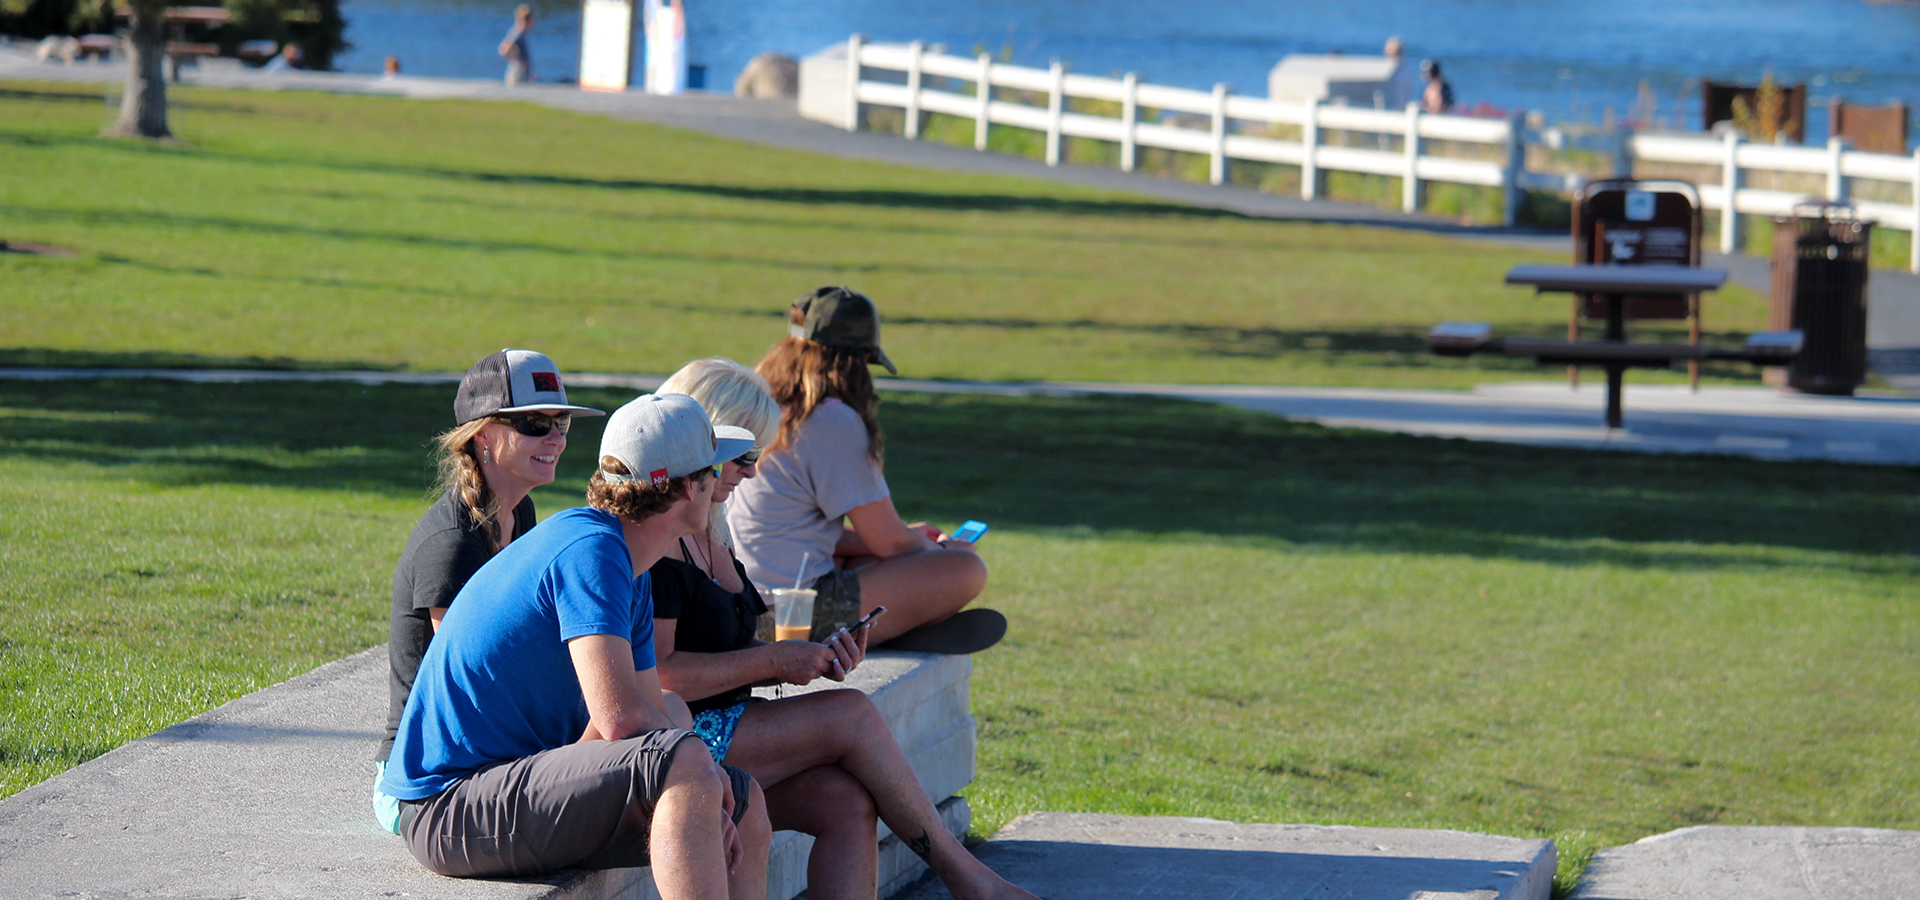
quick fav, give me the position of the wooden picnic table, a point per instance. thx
(177, 19)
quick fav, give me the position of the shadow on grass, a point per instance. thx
(45, 357)
(1101, 464)
(176, 221)
(959, 202)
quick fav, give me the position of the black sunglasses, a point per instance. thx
(537, 424)
(746, 459)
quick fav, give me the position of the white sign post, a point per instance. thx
(606, 45)
(666, 27)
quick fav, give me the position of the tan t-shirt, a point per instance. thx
(796, 502)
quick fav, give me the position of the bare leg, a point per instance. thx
(919, 588)
(780, 739)
(749, 881)
(688, 850)
(826, 802)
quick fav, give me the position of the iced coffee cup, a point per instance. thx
(792, 613)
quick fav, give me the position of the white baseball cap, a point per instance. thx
(664, 436)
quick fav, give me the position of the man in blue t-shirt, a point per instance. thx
(536, 737)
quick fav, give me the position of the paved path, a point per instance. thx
(1754, 422)
(1726, 862)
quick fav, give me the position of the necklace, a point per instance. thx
(707, 566)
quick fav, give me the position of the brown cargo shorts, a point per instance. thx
(564, 808)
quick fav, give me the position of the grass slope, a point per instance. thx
(1214, 612)
(298, 229)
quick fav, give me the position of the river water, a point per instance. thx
(1570, 59)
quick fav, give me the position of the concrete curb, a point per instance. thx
(1077, 856)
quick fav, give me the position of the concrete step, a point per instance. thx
(267, 797)
(1727, 862)
(1066, 856)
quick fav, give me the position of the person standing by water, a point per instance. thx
(1438, 97)
(514, 48)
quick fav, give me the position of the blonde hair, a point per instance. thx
(802, 374)
(732, 394)
(458, 457)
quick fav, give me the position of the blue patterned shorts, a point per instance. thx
(716, 726)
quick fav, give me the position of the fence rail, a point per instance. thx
(838, 82)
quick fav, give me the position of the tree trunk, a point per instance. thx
(143, 105)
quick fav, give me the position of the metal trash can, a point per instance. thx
(1819, 287)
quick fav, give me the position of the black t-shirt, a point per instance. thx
(711, 618)
(444, 551)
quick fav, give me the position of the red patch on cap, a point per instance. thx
(546, 381)
(659, 476)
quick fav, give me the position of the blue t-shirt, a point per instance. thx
(498, 682)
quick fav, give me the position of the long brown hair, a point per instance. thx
(801, 374)
(459, 459)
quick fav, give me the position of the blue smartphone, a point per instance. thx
(970, 531)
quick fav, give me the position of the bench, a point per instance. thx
(179, 52)
(267, 797)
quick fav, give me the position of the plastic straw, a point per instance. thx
(797, 576)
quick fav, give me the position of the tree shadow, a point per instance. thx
(176, 221)
(50, 358)
(1069, 465)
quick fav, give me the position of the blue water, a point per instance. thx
(1570, 59)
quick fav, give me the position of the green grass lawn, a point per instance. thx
(311, 230)
(1214, 612)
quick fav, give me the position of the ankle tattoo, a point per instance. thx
(921, 846)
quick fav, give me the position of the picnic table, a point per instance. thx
(1613, 284)
(177, 19)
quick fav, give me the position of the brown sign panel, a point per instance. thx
(1875, 129)
(1630, 227)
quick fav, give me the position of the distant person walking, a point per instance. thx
(1438, 97)
(1403, 86)
(514, 48)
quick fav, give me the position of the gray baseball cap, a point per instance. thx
(512, 381)
(664, 436)
(841, 318)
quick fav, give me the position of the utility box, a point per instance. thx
(1365, 81)
(1820, 288)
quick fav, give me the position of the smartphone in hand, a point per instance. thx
(970, 531)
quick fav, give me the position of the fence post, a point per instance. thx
(1056, 101)
(1309, 140)
(1730, 191)
(984, 96)
(1514, 193)
(1623, 152)
(853, 81)
(911, 129)
(1837, 183)
(1217, 166)
(1913, 237)
(1410, 175)
(1129, 117)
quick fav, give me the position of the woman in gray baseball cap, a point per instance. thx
(819, 511)
(511, 418)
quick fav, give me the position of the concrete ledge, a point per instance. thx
(1726, 862)
(1070, 856)
(267, 797)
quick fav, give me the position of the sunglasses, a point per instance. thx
(746, 459)
(537, 424)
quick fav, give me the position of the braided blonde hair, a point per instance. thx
(458, 457)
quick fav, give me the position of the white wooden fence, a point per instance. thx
(837, 82)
